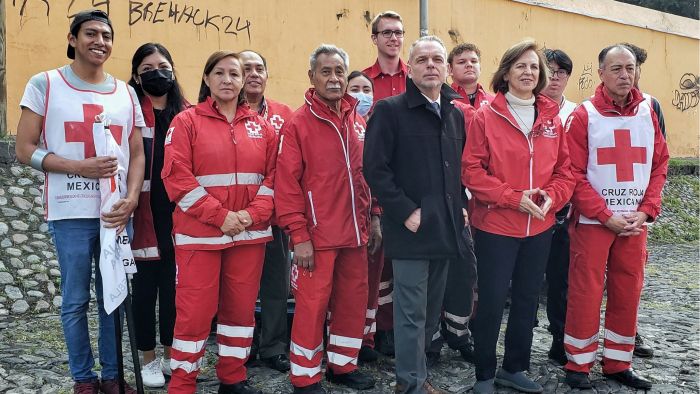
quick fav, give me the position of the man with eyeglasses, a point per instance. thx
(560, 67)
(388, 75)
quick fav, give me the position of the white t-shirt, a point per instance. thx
(34, 96)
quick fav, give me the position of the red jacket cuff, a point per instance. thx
(220, 217)
(604, 216)
(300, 235)
(513, 200)
(253, 216)
(650, 211)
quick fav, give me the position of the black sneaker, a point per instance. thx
(367, 355)
(467, 352)
(355, 380)
(315, 388)
(238, 388)
(431, 359)
(279, 362)
(642, 349)
(578, 380)
(556, 352)
(630, 378)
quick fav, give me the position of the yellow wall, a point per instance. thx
(286, 31)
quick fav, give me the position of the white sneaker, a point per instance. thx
(165, 366)
(151, 374)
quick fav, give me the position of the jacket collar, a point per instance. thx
(376, 71)
(149, 116)
(604, 103)
(416, 99)
(347, 105)
(546, 108)
(460, 90)
(209, 109)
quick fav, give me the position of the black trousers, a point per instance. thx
(154, 280)
(459, 299)
(502, 260)
(274, 291)
(558, 280)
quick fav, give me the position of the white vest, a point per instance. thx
(68, 132)
(620, 149)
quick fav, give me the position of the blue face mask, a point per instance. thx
(365, 102)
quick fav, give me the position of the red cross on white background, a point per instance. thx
(82, 131)
(623, 155)
(277, 122)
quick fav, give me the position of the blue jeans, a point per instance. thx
(77, 244)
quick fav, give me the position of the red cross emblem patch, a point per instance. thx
(623, 155)
(277, 122)
(253, 129)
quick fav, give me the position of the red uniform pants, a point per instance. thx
(597, 252)
(209, 280)
(338, 282)
(375, 263)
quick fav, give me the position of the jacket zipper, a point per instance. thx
(313, 210)
(347, 164)
(532, 157)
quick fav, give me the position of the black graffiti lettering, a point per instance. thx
(241, 28)
(194, 20)
(94, 4)
(187, 11)
(687, 95)
(228, 25)
(159, 10)
(209, 21)
(23, 7)
(173, 11)
(585, 81)
(147, 13)
(135, 7)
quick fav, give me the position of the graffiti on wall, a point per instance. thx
(585, 81)
(687, 95)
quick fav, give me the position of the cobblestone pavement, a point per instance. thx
(33, 357)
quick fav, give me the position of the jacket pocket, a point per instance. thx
(313, 209)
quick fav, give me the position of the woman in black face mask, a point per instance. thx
(153, 78)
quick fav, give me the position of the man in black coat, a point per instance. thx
(413, 149)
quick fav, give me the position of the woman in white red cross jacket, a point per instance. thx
(219, 170)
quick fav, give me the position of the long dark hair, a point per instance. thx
(175, 101)
(213, 60)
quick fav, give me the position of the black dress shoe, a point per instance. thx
(315, 388)
(556, 352)
(367, 355)
(355, 380)
(630, 378)
(578, 380)
(642, 349)
(431, 359)
(467, 352)
(279, 362)
(238, 388)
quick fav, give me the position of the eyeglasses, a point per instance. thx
(560, 73)
(389, 33)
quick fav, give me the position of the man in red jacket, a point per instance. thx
(274, 284)
(464, 63)
(388, 75)
(619, 159)
(323, 203)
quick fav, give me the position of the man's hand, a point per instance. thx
(616, 224)
(547, 203)
(304, 255)
(244, 218)
(528, 206)
(98, 167)
(635, 221)
(413, 221)
(119, 215)
(466, 217)
(232, 225)
(375, 235)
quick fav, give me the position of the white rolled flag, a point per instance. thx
(116, 259)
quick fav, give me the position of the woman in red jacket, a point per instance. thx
(516, 165)
(219, 171)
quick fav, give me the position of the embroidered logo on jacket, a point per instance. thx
(360, 130)
(277, 122)
(253, 129)
(169, 136)
(549, 130)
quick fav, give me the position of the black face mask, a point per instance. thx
(157, 82)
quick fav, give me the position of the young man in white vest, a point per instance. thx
(55, 135)
(619, 159)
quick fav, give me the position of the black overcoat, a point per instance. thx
(412, 160)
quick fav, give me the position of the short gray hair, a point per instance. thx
(328, 49)
(425, 39)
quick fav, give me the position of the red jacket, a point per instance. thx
(321, 193)
(276, 113)
(213, 167)
(482, 97)
(586, 200)
(499, 162)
